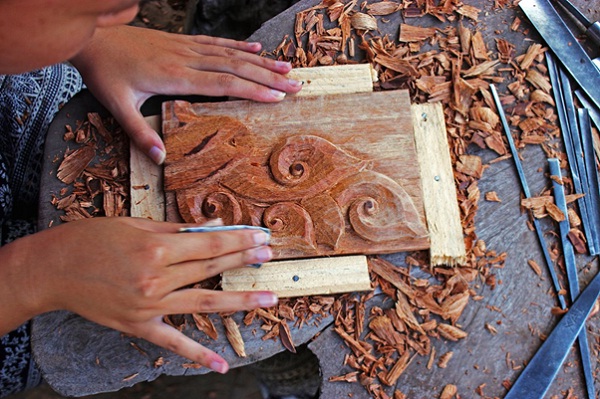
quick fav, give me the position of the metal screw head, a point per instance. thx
(436, 178)
(295, 278)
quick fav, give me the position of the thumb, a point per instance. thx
(141, 133)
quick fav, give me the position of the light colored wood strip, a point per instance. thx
(146, 182)
(439, 190)
(291, 278)
(343, 79)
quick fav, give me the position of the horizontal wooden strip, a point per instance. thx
(343, 79)
(292, 278)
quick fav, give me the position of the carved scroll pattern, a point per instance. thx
(315, 197)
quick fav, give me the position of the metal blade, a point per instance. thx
(574, 11)
(537, 377)
(571, 266)
(566, 47)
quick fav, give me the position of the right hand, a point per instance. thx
(127, 273)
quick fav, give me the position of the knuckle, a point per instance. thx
(211, 268)
(156, 252)
(215, 245)
(206, 302)
(149, 286)
(229, 52)
(225, 80)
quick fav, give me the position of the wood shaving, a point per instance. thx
(232, 332)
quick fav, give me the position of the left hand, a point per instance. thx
(124, 66)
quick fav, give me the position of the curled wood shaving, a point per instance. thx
(445, 359)
(577, 238)
(449, 392)
(492, 196)
(362, 21)
(75, 163)
(205, 324)
(232, 332)
(410, 33)
(450, 332)
(384, 8)
(535, 267)
(286, 337)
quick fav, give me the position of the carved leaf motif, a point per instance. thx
(203, 147)
(379, 209)
(309, 164)
(327, 218)
(291, 226)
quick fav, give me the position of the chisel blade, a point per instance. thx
(537, 377)
(566, 47)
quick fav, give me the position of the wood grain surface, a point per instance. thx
(329, 175)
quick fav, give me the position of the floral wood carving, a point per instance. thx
(316, 196)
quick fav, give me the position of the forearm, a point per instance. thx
(19, 293)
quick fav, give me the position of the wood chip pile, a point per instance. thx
(451, 64)
(95, 170)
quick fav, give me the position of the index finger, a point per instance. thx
(185, 247)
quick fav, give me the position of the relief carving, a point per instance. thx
(317, 198)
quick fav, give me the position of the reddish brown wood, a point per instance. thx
(328, 175)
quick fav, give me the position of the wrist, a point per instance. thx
(21, 295)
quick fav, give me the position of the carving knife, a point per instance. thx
(592, 29)
(571, 267)
(537, 377)
(566, 47)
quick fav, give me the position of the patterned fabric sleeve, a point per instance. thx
(28, 102)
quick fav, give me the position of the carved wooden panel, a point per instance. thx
(328, 175)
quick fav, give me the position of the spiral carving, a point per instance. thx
(291, 225)
(292, 162)
(218, 204)
(378, 208)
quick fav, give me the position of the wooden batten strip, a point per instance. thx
(147, 196)
(344, 79)
(439, 190)
(292, 278)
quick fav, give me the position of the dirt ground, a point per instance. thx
(226, 18)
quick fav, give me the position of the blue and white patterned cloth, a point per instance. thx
(28, 103)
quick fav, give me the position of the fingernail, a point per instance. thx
(260, 238)
(262, 254)
(267, 300)
(219, 366)
(279, 95)
(157, 155)
(283, 64)
(294, 82)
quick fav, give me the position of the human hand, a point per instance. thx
(124, 66)
(126, 273)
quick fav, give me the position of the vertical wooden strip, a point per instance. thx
(439, 190)
(146, 182)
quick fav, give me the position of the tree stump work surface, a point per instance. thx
(79, 358)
